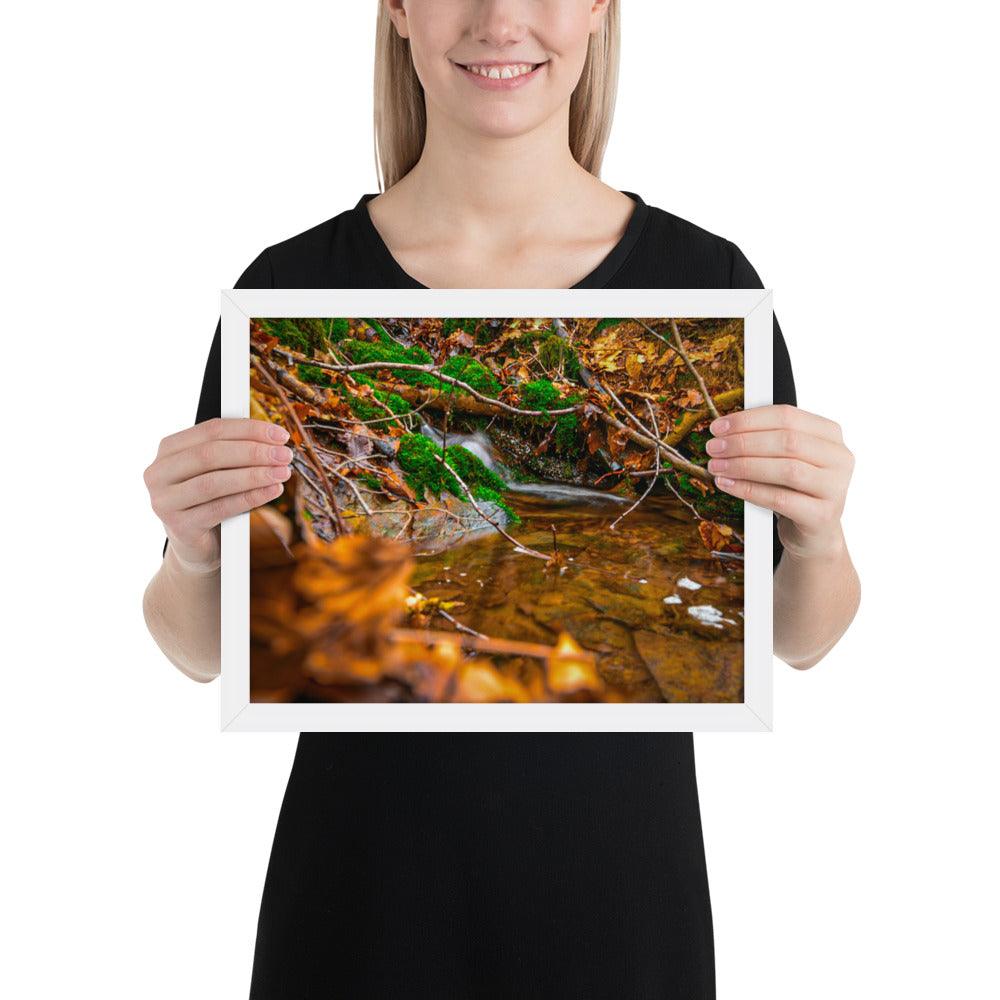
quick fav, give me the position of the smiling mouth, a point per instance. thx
(500, 71)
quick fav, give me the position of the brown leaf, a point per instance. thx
(595, 439)
(571, 670)
(718, 537)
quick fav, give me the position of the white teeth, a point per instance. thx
(501, 73)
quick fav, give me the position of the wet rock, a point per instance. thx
(687, 669)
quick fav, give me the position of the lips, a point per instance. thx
(499, 76)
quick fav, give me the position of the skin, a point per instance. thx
(496, 200)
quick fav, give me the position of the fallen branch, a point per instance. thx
(430, 369)
(656, 471)
(678, 346)
(307, 443)
(706, 395)
(693, 417)
(678, 460)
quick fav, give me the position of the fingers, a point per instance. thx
(785, 459)
(779, 416)
(783, 443)
(806, 511)
(188, 526)
(213, 455)
(195, 521)
(791, 472)
(214, 470)
(222, 429)
(217, 483)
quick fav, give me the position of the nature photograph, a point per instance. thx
(497, 510)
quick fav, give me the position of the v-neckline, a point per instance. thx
(597, 278)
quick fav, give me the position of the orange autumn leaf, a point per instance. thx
(595, 439)
(570, 669)
(478, 680)
(358, 578)
(718, 537)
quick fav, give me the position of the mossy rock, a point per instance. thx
(419, 458)
(473, 373)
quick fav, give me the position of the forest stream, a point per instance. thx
(497, 510)
(645, 597)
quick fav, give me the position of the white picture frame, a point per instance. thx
(238, 713)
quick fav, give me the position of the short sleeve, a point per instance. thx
(743, 275)
(257, 275)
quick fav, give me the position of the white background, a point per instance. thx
(152, 150)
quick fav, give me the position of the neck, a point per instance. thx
(465, 178)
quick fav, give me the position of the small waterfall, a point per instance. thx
(479, 444)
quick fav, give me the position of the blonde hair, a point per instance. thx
(401, 119)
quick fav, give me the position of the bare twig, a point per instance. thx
(709, 402)
(510, 538)
(430, 369)
(444, 614)
(511, 647)
(656, 472)
(671, 453)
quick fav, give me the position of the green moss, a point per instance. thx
(485, 493)
(394, 401)
(554, 352)
(539, 395)
(450, 324)
(473, 372)
(364, 352)
(383, 336)
(543, 395)
(696, 445)
(365, 409)
(605, 323)
(307, 336)
(419, 457)
(566, 437)
(310, 373)
(338, 331)
(719, 505)
(472, 469)
(370, 481)
(288, 334)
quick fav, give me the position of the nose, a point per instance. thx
(499, 23)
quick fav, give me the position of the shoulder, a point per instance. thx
(700, 257)
(318, 257)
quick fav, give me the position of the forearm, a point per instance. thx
(181, 606)
(815, 599)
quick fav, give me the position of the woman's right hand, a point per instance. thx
(216, 469)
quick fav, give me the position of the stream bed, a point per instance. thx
(662, 615)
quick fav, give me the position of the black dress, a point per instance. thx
(560, 866)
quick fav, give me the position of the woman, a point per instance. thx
(496, 865)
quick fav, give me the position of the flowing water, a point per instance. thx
(663, 616)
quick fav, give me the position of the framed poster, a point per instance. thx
(497, 523)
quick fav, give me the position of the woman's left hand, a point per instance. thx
(791, 461)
